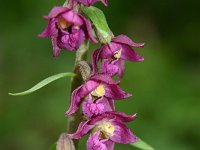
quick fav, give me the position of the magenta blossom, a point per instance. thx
(67, 29)
(113, 55)
(91, 2)
(100, 88)
(106, 129)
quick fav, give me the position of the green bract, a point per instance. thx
(99, 21)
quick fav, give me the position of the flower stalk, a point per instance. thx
(74, 119)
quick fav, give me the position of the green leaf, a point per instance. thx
(98, 19)
(142, 145)
(43, 83)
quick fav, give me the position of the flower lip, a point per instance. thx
(95, 143)
(94, 107)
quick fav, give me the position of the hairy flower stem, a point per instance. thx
(75, 119)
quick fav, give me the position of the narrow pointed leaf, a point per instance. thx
(99, 21)
(142, 145)
(43, 83)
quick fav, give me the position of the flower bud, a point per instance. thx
(65, 143)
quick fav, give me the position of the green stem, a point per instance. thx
(76, 118)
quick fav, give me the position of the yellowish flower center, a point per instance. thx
(118, 54)
(107, 129)
(76, 27)
(63, 23)
(99, 91)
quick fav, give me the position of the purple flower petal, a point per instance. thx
(105, 2)
(56, 49)
(55, 11)
(79, 94)
(105, 116)
(123, 39)
(83, 129)
(108, 104)
(89, 30)
(95, 59)
(115, 92)
(112, 104)
(73, 18)
(108, 51)
(104, 78)
(50, 30)
(121, 117)
(129, 54)
(120, 63)
(123, 134)
(91, 2)
(109, 144)
(112, 116)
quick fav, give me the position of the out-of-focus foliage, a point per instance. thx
(166, 86)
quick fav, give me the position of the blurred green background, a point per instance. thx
(166, 86)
